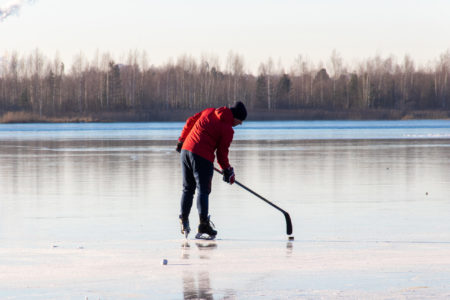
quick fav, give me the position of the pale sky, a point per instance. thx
(255, 29)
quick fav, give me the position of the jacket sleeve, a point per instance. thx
(222, 149)
(188, 126)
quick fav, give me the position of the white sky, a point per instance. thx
(255, 29)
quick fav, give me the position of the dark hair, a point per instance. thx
(239, 111)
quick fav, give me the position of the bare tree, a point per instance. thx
(336, 66)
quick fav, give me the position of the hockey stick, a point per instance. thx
(286, 215)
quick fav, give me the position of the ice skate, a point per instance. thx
(205, 230)
(185, 229)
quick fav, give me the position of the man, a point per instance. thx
(205, 134)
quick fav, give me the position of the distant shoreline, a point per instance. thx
(255, 115)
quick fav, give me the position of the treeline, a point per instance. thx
(48, 87)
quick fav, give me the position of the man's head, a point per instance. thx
(239, 113)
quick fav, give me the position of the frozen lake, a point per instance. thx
(90, 210)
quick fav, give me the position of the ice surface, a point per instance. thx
(94, 219)
(227, 269)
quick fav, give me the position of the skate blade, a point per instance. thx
(204, 236)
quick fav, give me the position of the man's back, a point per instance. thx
(207, 131)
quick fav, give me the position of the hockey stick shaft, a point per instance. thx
(285, 213)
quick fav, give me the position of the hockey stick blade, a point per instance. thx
(288, 223)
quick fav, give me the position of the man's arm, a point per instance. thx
(222, 149)
(188, 126)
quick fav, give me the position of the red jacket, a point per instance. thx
(208, 131)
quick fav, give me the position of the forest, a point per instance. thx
(34, 87)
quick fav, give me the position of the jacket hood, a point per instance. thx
(225, 115)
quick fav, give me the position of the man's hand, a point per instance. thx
(228, 175)
(179, 146)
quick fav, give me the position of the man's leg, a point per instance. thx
(203, 173)
(189, 184)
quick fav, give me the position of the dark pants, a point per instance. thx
(197, 174)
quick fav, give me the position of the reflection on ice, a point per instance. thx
(185, 247)
(197, 289)
(197, 285)
(205, 249)
(289, 248)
